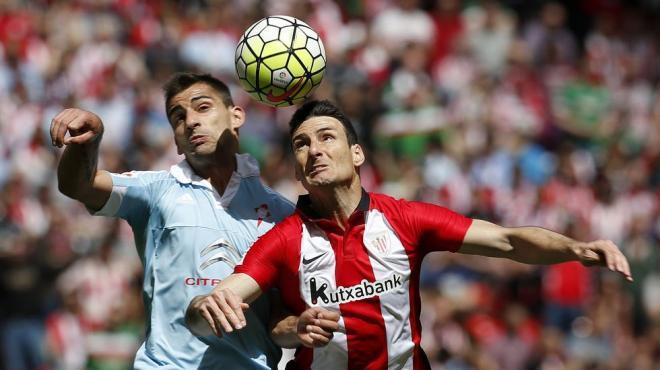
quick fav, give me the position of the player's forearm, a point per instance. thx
(77, 169)
(242, 285)
(535, 245)
(284, 332)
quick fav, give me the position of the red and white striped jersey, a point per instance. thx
(369, 272)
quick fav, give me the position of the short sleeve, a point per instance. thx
(264, 261)
(131, 197)
(435, 228)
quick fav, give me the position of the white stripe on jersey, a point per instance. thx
(388, 256)
(317, 261)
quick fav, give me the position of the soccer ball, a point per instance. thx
(280, 60)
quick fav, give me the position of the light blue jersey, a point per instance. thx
(189, 238)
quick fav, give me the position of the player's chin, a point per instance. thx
(202, 150)
(320, 181)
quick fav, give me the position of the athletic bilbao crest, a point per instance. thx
(380, 244)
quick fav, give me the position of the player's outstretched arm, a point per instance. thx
(313, 328)
(222, 309)
(535, 245)
(77, 174)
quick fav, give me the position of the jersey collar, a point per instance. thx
(246, 166)
(304, 207)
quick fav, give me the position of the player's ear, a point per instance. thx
(237, 117)
(358, 155)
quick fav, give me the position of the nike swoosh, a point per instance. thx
(308, 261)
(287, 94)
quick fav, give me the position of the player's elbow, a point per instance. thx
(68, 188)
(77, 193)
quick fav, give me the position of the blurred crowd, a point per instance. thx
(519, 112)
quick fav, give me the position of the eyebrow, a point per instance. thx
(326, 128)
(200, 97)
(320, 130)
(169, 113)
(298, 137)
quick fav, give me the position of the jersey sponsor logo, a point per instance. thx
(220, 251)
(308, 261)
(262, 213)
(364, 290)
(201, 281)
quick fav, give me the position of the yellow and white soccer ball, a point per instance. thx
(280, 60)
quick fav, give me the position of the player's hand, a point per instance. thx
(316, 326)
(82, 126)
(604, 253)
(215, 313)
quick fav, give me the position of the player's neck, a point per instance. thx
(218, 171)
(338, 202)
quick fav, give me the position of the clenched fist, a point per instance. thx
(83, 127)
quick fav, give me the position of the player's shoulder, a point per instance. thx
(385, 202)
(278, 198)
(400, 208)
(379, 201)
(144, 177)
(256, 191)
(289, 226)
(248, 171)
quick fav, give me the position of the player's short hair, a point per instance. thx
(180, 81)
(319, 108)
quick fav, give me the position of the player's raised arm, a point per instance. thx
(77, 173)
(222, 309)
(535, 245)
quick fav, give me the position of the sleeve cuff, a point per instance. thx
(111, 206)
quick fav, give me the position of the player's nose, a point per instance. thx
(192, 120)
(314, 148)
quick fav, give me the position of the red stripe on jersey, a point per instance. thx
(365, 327)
